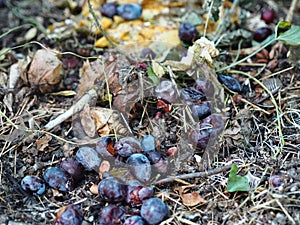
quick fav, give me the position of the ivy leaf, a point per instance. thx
(291, 36)
(237, 182)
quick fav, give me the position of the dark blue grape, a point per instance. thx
(166, 91)
(262, 33)
(148, 143)
(73, 168)
(153, 156)
(230, 82)
(111, 215)
(105, 147)
(59, 179)
(33, 184)
(140, 166)
(192, 95)
(109, 9)
(154, 211)
(71, 216)
(112, 190)
(134, 220)
(130, 11)
(205, 85)
(201, 110)
(188, 33)
(89, 158)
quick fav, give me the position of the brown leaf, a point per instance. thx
(192, 199)
(94, 189)
(43, 143)
(87, 121)
(45, 71)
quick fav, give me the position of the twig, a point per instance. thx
(289, 16)
(194, 175)
(71, 111)
(131, 60)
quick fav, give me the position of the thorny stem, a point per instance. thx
(106, 36)
(275, 104)
(194, 175)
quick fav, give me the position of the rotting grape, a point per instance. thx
(59, 179)
(137, 194)
(73, 168)
(192, 95)
(166, 91)
(201, 110)
(130, 11)
(105, 147)
(33, 184)
(126, 146)
(140, 166)
(111, 215)
(112, 190)
(134, 220)
(88, 158)
(71, 216)
(154, 211)
(268, 15)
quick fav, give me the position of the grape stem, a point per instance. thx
(202, 174)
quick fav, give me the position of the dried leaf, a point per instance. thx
(45, 71)
(192, 199)
(87, 121)
(157, 69)
(94, 189)
(43, 143)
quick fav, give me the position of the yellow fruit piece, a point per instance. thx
(106, 23)
(102, 43)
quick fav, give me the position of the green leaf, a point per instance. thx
(152, 76)
(291, 36)
(237, 182)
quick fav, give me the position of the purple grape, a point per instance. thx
(192, 95)
(230, 82)
(89, 158)
(166, 91)
(59, 179)
(140, 166)
(162, 166)
(112, 190)
(205, 85)
(137, 194)
(261, 34)
(126, 146)
(33, 184)
(199, 137)
(134, 220)
(109, 9)
(71, 216)
(188, 33)
(153, 156)
(276, 181)
(201, 111)
(148, 143)
(268, 15)
(105, 147)
(73, 168)
(154, 211)
(130, 11)
(111, 215)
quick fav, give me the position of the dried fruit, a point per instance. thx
(192, 95)
(130, 11)
(105, 147)
(154, 211)
(73, 168)
(268, 15)
(166, 91)
(33, 184)
(89, 158)
(188, 33)
(59, 179)
(148, 143)
(134, 220)
(230, 82)
(204, 85)
(261, 34)
(112, 190)
(109, 9)
(111, 215)
(70, 216)
(153, 156)
(140, 166)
